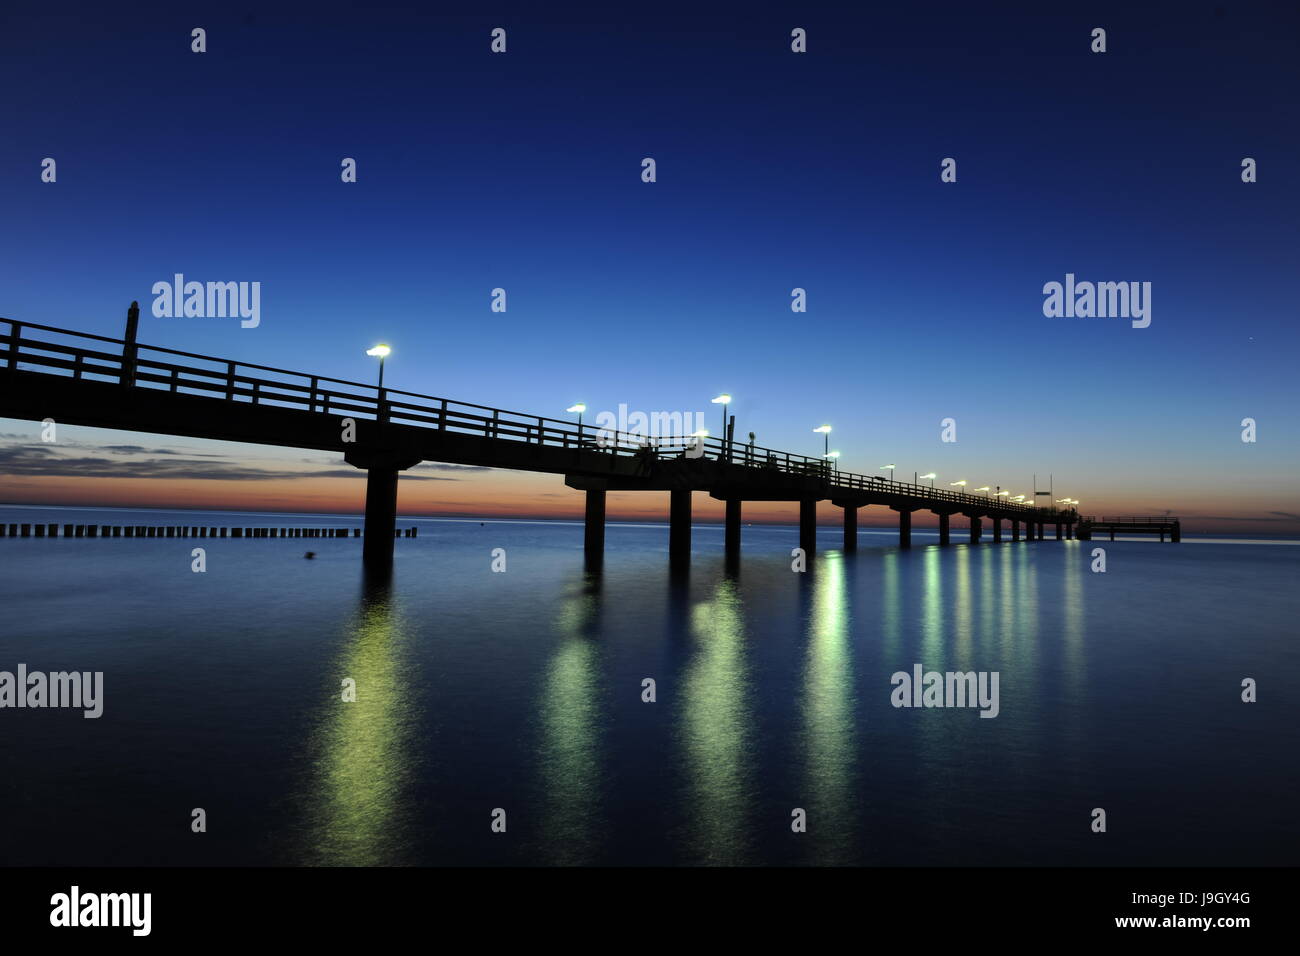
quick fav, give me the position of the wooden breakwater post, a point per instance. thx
(51, 530)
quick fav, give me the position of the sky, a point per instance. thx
(775, 171)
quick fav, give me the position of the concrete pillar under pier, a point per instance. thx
(943, 529)
(1058, 531)
(593, 538)
(850, 528)
(975, 528)
(997, 530)
(1015, 529)
(1042, 526)
(679, 527)
(381, 516)
(732, 530)
(808, 526)
(382, 469)
(904, 528)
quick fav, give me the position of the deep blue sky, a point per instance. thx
(775, 170)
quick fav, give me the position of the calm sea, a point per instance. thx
(479, 691)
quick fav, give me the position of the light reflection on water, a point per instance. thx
(523, 690)
(569, 753)
(364, 746)
(715, 727)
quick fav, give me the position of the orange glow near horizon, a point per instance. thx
(495, 494)
(91, 468)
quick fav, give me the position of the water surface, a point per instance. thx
(523, 691)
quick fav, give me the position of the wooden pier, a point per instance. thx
(93, 380)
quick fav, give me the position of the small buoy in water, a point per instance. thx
(309, 555)
(480, 524)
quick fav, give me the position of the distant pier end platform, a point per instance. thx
(1168, 525)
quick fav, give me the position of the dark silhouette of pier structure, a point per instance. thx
(1166, 525)
(92, 380)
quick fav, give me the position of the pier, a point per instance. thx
(92, 380)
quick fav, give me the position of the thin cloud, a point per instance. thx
(43, 461)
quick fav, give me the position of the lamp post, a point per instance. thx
(832, 455)
(578, 407)
(381, 351)
(724, 400)
(931, 476)
(891, 470)
(825, 431)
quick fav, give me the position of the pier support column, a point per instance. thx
(382, 469)
(381, 516)
(1042, 526)
(1176, 532)
(997, 530)
(850, 528)
(904, 529)
(1015, 529)
(808, 526)
(679, 527)
(732, 530)
(593, 537)
(1058, 531)
(975, 528)
(943, 529)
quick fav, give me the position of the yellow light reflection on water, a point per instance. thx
(828, 704)
(715, 730)
(363, 767)
(569, 756)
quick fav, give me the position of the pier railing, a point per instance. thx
(80, 355)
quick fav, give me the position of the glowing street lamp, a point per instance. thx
(832, 455)
(578, 407)
(986, 489)
(380, 351)
(724, 400)
(931, 476)
(825, 432)
(961, 483)
(891, 470)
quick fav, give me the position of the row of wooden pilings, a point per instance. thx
(181, 531)
(679, 527)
